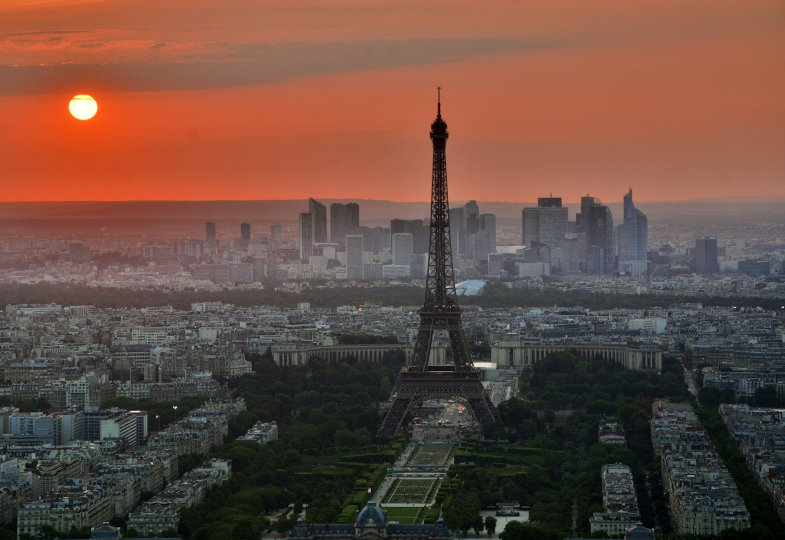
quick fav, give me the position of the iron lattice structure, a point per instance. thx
(419, 380)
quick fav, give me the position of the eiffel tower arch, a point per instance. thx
(419, 380)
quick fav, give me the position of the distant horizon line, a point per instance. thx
(742, 198)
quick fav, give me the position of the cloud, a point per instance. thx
(231, 65)
(41, 33)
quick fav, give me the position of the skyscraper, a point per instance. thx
(633, 239)
(338, 223)
(418, 229)
(319, 216)
(402, 248)
(354, 256)
(472, 217)
(488, 225)
(599, 233)
(706, 261)
(344, 219)
(245, 236)
(458, 230)
(596, 220)
(210, 234)
(306, 236)
(472, 212)
(275, 233)
(546, 224)
(352, 217)
(484, 239)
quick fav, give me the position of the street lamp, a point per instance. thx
(175, 411)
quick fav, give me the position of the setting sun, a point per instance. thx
(83, 107)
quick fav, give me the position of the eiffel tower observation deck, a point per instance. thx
(419, 380)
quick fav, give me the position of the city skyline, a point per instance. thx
(680, 100)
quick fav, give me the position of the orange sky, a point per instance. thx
(252, 99)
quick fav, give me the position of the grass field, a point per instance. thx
(406, 514)
(412, 490)
(430, 454)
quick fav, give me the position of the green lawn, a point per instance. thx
(430, 454)
(410, 490)
(406, 515)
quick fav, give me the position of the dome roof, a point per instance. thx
(371, 516)
(639, 532)
(471, 287)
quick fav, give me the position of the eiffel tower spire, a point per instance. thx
(419, 380)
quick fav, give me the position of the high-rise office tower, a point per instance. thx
(344, 219)
(472, 217)
(245, 236)
(402, 248)
(210, 234)
(306, 236)
(458, 230)
(338, 223)
(354, 256)
(546, 224)
(483, 242)
(352, 217)
(319, 216)
(418, 265)
(472, 212)
(574, 253)
(418, 229)
(586, 202)
(596, 220)
(275, 233)
(706, 261)
(373, 238)
(633, 239)
(599, 233)
(488, 226)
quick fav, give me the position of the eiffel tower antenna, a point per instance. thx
(419, 380)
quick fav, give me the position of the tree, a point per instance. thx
(514, 530)
(244, 530)
(495, 430)
(281, 524)
(477, 524)
(490, 525)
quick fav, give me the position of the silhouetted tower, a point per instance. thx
(420, 380)
(245, 236)
(210, 236)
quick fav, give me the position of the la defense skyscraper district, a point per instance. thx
(419, 380)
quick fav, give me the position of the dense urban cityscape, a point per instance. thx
(121, 419)
(233, 304)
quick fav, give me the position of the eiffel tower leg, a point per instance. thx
(422, 347)
(395, 416)
(485, 412)
(460, 352)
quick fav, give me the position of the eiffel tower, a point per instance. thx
(419, 380)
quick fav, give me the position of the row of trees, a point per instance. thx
(495, 295)
(710, 397)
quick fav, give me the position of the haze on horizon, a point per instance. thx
(248, 100)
